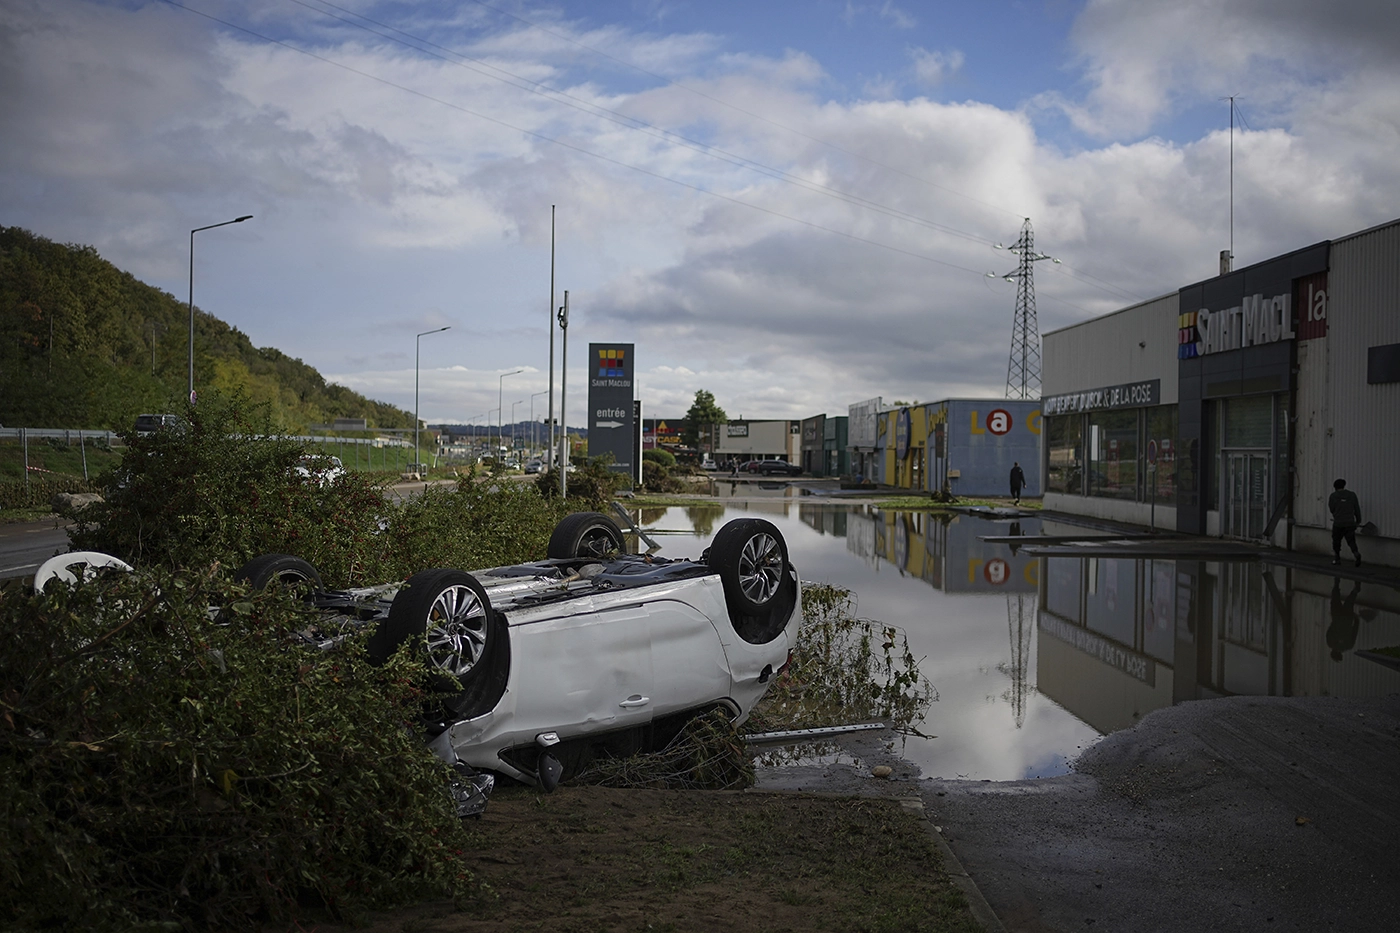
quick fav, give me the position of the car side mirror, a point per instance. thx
(547, 767)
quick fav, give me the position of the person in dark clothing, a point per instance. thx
(1018, 481)
(1346, 517)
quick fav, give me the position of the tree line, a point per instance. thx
(84, 344)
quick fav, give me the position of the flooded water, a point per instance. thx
(1034, 659)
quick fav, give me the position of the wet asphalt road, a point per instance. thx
(26, 545)
(1244, 813)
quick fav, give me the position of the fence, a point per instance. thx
(39, 485)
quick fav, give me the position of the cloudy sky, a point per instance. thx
(792, 203)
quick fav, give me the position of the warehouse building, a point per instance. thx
(964, 446)
(1229, 407)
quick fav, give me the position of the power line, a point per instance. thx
(1023, 368)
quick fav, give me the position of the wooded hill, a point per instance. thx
(76, 338)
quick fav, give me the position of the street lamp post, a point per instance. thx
(236, 220)
(513, 423)
(417, 352)
(500, 403)
(534, 437)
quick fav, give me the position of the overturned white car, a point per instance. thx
(543, 666)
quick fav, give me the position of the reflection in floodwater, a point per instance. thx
(1033, 659)
(1020, 611)
(1122, 637)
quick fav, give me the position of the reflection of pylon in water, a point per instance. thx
(1019, 629)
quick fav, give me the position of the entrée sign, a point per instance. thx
(1127, 395)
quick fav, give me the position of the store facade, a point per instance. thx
(1229, 407)
(1110, 415)
(863, 439)
(813, 431)
(965, 446)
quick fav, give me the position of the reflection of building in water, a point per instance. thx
(825, 519)
(946, 549)
(860, 538)
(1120, 637)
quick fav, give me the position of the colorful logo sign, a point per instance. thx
(998, 421)
(612, 363)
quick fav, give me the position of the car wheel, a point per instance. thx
(278, 568)
(585, 534)
(463, 637)
(760, 589)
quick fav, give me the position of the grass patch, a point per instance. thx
(53, 455)
(9, 516)
(926, 504)
(588, 858)
(664, 501)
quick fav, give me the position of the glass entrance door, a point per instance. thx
(1246, 507)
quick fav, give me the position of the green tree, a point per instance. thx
(702, 414)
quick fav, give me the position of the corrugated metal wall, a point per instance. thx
(1363, 312)
(1105, 351)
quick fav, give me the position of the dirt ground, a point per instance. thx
(605, 859)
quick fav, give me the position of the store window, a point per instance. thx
(1064, 443)
(1113, 454)
(1161, 428)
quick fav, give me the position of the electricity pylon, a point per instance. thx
(1023, 370)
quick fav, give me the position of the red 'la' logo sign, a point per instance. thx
(998, 421)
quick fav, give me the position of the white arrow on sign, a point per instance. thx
(609, 424)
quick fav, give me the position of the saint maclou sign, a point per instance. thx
(612, 425)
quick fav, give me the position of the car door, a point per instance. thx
(689, 666)
(585, 672)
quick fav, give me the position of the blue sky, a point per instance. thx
(792, 205)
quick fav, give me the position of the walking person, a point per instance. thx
(1018, 482)
(1346, 517)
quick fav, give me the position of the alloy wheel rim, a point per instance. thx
(456, 630)
(596, 542)
(760, 567)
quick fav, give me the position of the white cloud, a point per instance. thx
(380, 213)
(1144, 59)
(887, 11)
(933, 68)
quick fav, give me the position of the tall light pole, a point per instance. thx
(534, 438)
(417, 353)
(549, 461)
(236, 220)
(513, 423)
(500, 403)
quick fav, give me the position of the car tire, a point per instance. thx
(278, 568)
(464, 639)
(760, 588)
(585, 534)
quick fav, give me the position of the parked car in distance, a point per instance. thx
(708, 463)
(149, 424)
(534, 465)
(320, 469)
(774, 467)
